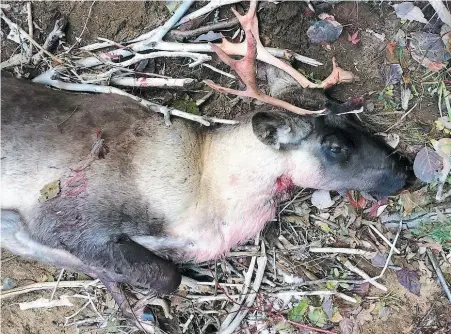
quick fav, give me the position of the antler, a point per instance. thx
(252, 49)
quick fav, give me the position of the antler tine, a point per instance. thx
(246, 69)
(249, 23)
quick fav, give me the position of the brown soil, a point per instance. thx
(283, 25)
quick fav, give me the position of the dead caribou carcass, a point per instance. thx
(160, 194)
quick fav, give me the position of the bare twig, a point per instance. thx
(30, 27)
(230, 328)
(315, 293)
(152, 82)
(442, 11)
(187, 323)
(46, 286)
(77, 40)
(197, 57)
(212, 5)
(219, 71)
(247, 282)
(364, 275)
(58, 280)
(439, 273)
(352, 251)
(32, 41)
(47, 78)
(384, 238)
(180, 35)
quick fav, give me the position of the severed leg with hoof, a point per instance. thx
(252, 49)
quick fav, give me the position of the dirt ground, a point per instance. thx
(283, 25)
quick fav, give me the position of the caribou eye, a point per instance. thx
(335, 149)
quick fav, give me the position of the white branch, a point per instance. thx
(442, 12)
(212, 5)
(151, 82)
(351, 251)
(315, 293)
(364, 275)
(384, 238)
(197, 57)
(46, 78)
(261, 262)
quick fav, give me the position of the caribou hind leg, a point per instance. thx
(119, 260)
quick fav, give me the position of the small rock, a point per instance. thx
(326, 30)
(8, 283)
(370, 106)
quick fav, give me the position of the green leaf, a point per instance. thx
(317, 317)
(49, 191)
(187, 104)
(336, 273)
(83, 277)
(331, 285)
(297, 313)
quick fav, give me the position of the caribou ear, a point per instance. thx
(280, 130)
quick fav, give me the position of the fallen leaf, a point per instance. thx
(349, 326)
(327, 306)
(405, 97)
(392, 73)
(428, 50)
(379, 260)
(317, 317)
(443, 147)
(384, 312)
(427, 165)
(390, 53)
(410, 280)
(336, 317)
(354, 38)
(321, 199)
(378, 207)
(361, 289)
(49, 191)
(172, 5)
(392, 139)
(400, 38)
(297, 313)
(408, 11)
(357, 201)
(410, 201)
(443, 123)
(364, 316)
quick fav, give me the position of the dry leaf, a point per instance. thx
(410, 280)
(410, 201)
(408, 11)
(354, 38)
(321, 199)
(427, 165)
(349, 326)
